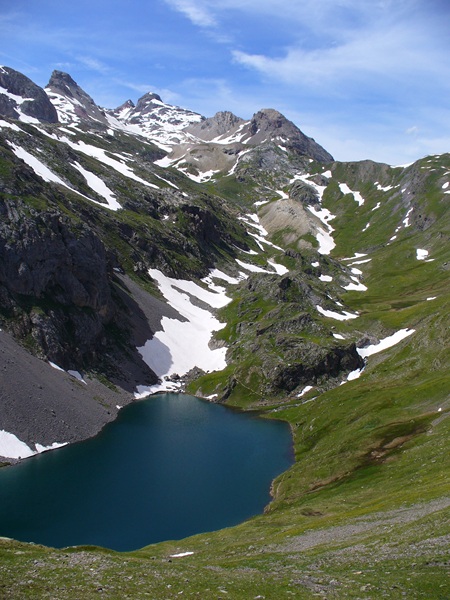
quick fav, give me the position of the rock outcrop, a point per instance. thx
(21, 98)
(54, 281)
(221, 124)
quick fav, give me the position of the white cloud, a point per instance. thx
(386, 54)
(197, 12)
(414, 130)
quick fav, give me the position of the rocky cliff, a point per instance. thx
(21, 98)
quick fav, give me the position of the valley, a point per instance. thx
(148, 249)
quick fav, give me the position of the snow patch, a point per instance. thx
(55, 366)
(279, 269)
(251, 268)
(98, 185)
(356, 195)
(421, 254)
(323, 236)
(334, 315)
(406, 222)
(38, 167)
(12, 447)
(164, 162)
(54, 446)
(401, 166)
(201, 177)
(360, 262)
(305, 390)
(354, 374)
(100, 155)
(77, 375)
(385, 343)
(7, 125)
(357, 286)
(217, 274)
(357, 255)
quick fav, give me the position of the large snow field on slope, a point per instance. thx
(184, 344)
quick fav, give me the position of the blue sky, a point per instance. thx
(365, 78)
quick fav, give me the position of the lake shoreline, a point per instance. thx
(142, 465)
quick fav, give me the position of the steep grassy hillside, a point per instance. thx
(363, 513)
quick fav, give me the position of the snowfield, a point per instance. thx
(184, 343)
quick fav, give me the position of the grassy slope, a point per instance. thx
(363, 513)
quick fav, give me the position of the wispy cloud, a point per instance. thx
(94, 64)
(413, 130)
(199, 13)
(397, 52)
(331, 42)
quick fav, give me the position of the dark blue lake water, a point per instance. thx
(168, 467)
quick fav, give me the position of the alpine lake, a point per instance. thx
(168, 467)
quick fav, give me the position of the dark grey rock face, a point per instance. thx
(318, 362)
(147, 99)
(54, 280)
(31, 100)
(41, 256)
(304, 193)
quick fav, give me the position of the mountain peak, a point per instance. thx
(21, 98)
(73, 104)
(128, 104)
(269, 119)
(222, 123)
(60, 79)
(154, 119)
(148, 98)
(268, 123)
